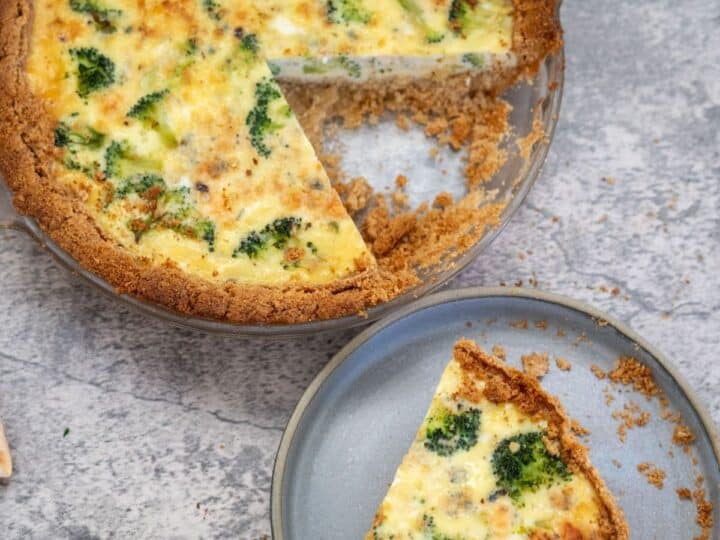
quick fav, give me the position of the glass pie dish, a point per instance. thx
(535, 103)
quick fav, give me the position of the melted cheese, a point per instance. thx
(456, 496)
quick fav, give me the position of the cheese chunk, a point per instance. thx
(483, 466)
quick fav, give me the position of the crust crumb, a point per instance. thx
(629, 371)
(684, 494)
(630, 416)
(356, 194)
(563, 364)
(520, 325)
(499, 351)
(541, 325)
(683, 436)
(654, 475)
(704, 509)
(535, 364)
(443, 200)
(597, 371)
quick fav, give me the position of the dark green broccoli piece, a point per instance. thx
(140, 184)
(205, 230)
(251, 245)
(522, 463)
(347, 11)
(67, 138)
(212, 8)
(147, 110)
(104, 18)
(248, 42)
(95, 71)
(258, 119)
(418, 18)
(121, 161)
(79, 145)
(276, 234)
(447, 432)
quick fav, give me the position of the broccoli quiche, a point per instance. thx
(495, 458)
(153, 142)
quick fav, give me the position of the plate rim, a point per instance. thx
(454, 295)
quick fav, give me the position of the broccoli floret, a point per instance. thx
(104, 18)
(418, 18)
(79, 145)
(248, 42)
(121, 161)
(276, 234)
(347, 11)
(140, 184)
(447, 432)
(522, 463)
(212, 8)
(95, 71)
(147, 110)
(205, 230)
(258, 119)
(88, 138)
(173, 210)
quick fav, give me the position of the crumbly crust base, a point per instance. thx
(28, 159)
(505, 384)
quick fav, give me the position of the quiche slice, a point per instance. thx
(153, 142)
(495, 458)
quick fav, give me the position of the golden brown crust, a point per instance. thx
(27, 163)
(505, 384)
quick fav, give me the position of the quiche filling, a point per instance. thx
(482, 468)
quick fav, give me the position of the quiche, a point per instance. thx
(495, 458)
(152, 139)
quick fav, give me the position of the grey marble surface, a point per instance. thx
(172, 434)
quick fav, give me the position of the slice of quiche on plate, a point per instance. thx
(495, 458)
(152, 141)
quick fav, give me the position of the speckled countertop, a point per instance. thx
(172, 434)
